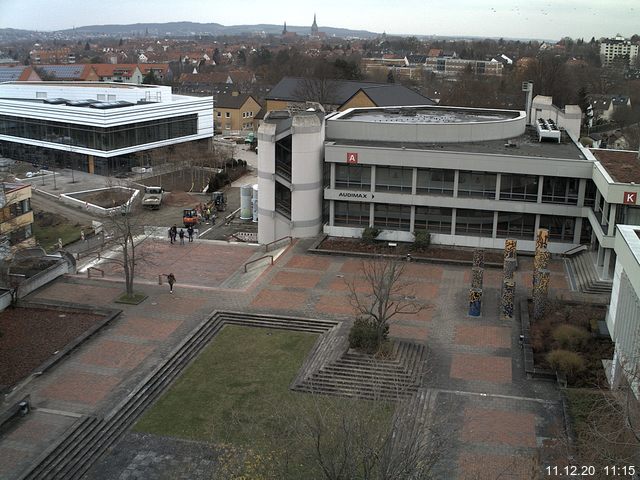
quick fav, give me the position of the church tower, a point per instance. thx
(314, 27)
(284, 31)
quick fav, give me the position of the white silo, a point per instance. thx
(246, 212)
(254, 202)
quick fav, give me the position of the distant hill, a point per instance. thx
(179, 29)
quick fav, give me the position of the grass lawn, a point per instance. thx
(48, 236)
(237, 392)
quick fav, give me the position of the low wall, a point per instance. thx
(40, 279)
(90, 207)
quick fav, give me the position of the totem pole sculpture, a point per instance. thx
(477, 277)
(541, 274)
(508, 279)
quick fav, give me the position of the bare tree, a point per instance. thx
(386, 294)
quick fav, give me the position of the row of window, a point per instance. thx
(99, 138)
(439, 220)
(560, 190)
(14, 210)
(228, 114)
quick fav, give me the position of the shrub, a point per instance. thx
(369, 234)
(422, 239)
(566, 362)
(363, 335)
(570, 336)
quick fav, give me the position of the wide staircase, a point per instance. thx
(333, 369)
(584, 273)
(90, 436)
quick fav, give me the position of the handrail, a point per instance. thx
(266, 247)
(573, 250)
(257, 259)
(94, 268)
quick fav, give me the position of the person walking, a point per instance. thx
(171, 235)
(171, 279)
(181, 235)
(190, 233)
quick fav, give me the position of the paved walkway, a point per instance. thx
(499, 420)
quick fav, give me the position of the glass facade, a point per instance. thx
(353, 177)
(560, 190)
(100, 138)
(477, 184)
(351, 214)
(560, 228)
(477, 223)
(392, 217)
(519, 187)
(433, 219)
(435, 181)
(394, 179)
(516, 225)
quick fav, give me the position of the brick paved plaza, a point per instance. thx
(498, 418)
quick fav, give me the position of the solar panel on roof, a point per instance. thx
(63, 71)
(109, 105)
(10, 74)
(81, 103)
(55, 101)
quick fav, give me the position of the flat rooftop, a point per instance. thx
(428, 115)
(623, 166)
(525, 145)
(120, 85)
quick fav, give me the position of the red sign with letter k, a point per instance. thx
(352, 157)
(630, 198)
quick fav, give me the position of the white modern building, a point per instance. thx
(470, 177)
(623, 316)
(101, 124)
(618, 47)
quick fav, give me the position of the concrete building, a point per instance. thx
(457, 66)
(623, 315)
(94, 126)
(618, 48)
(16, 218)
(470, 177)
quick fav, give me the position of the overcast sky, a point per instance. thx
(550, 19)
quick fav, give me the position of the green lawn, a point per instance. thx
(237, 393)
(48, 236)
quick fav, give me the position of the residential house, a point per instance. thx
(293, 93)
(235, 112)
(18, 73)
(16, 216)
(603, 106)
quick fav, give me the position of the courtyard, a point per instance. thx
(498, 420)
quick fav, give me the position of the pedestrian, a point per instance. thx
(173, 232)
(213, 219)
(82, 235)
(207, 214)
(190, 233)
(171, 279)
(181, 235)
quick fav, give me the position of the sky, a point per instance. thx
(545, 19)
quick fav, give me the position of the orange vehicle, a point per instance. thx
(190, 217)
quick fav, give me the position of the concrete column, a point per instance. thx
(612, 219)
(540, 185)
(597, 200)
(412, 220)
(91, 163)
(498, 180)
(577, 230)
(371, 214)
(332, 212)
(332, 178)
(494, 230)
(453, 221)
(582, 189)
(536, 226)
(456, 179)
(414, 183)
(600, 258)
(373, 178)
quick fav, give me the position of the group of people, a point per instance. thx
(174, 233)
(206, 212)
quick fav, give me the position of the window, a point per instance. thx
(431, 180)
(477, 184)
(474, 222)
(590, 194)
(227, 115)
(392, 217)
(394, 179)
(41, 94)
(560, 228)
(560, 190)
(516, 225)
(519, 187)
(353, 177)
(352, 214)
(218, 114)
(433, 219)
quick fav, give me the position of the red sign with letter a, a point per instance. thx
(630, 198)
(352, 157)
